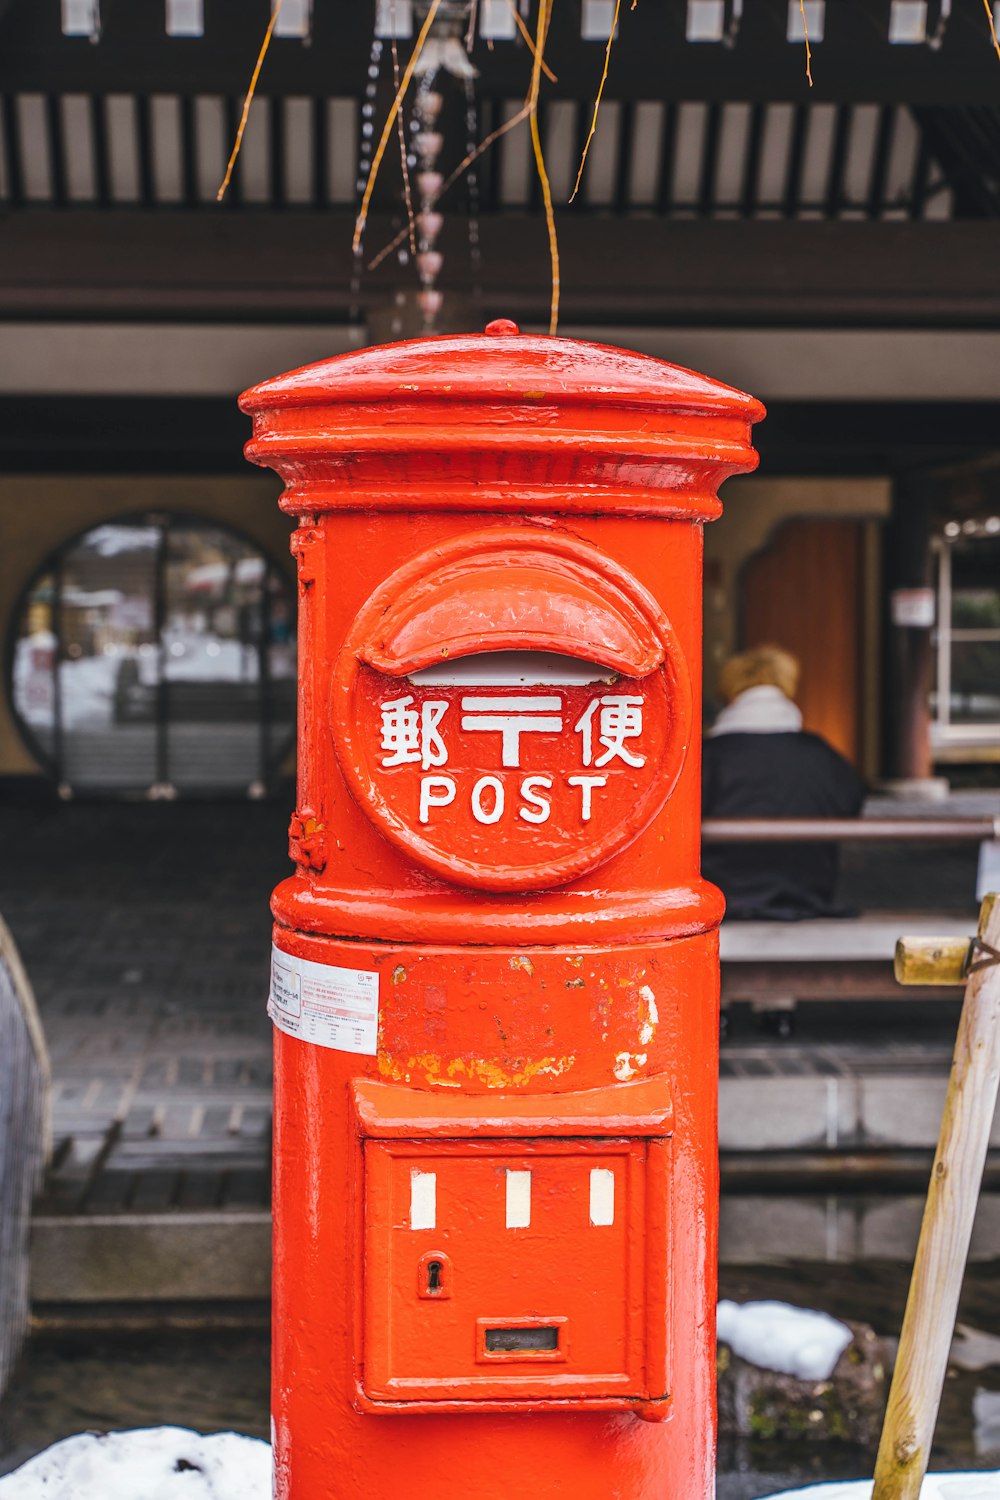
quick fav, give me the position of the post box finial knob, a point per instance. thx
(502, 325)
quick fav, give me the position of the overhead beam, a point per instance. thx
(651, 59)
(615, 270)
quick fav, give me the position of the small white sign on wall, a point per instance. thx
(912, 608)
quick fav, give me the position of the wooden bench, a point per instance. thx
(826, 958)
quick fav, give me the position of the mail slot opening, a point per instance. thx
(521, 1340)
(512, 669)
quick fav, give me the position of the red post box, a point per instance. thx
(495, 972)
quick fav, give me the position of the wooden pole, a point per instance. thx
(932, 1304)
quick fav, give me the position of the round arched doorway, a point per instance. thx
(155, 655)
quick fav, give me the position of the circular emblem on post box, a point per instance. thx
(511, 709)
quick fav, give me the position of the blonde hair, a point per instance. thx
(762, 666)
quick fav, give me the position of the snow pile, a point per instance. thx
(935, 1487)
(790, 1340)
(986, 1422)
(974, 1349)
(152, 1463)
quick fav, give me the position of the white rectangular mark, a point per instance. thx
(394, 18)
(293, 19)
(595, 22)
(602, 1196)
(496, 21)
(518, 1199)
(812, 13)
(908, 22)
(185, 17)
(423, 1200)
(81, 18)
(706, 20)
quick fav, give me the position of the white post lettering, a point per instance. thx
(435, 791)
(400, 732)
(478, 811)
(409, 735)
(619, 719)
(510, 718)
(541, 805)
(586, 785)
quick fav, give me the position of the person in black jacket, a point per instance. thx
(760, 763)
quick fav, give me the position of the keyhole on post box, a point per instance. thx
(434, 1276)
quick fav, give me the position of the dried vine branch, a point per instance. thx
(397, 103)
(805, 33)
(529, 40)
(247, 102)
(600, 95)
(992, 24)
(544, 14)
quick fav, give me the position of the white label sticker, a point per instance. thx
(323, 1004)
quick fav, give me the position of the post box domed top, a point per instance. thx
(504, 365)
(500, 412)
